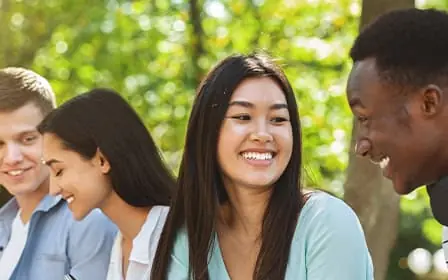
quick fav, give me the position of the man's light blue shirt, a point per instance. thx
(57, 244)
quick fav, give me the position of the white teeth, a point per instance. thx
(70, 199)
(384, 162)
(16, 172)
(257, 156)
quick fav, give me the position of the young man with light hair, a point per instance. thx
(39, 239)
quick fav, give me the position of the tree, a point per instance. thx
(366, 190)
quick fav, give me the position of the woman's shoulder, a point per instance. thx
(324, 209)
(329, 237)
(179, 259)
(318, 200)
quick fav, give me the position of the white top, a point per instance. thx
(144, 247)
(14, 249)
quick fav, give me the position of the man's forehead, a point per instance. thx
(12, 131)
(364, 80)
(363, 72)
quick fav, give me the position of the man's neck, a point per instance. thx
(28, 203)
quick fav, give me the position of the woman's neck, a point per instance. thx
(129, 219)
(245, 210)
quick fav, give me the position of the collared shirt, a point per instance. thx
(144, 247)
(57, 244)
(11, 254)
(328, 243)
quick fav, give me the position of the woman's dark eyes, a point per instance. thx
(247, 118)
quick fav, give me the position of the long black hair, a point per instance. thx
(102, 119)
(201, 190)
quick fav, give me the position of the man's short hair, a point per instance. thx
(410, 47)
(20, 86)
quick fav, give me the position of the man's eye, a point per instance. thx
(58, 173)
(362, 119)
(29, 139)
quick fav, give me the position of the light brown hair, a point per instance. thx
(20, 86)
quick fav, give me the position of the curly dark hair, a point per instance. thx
(410, 46)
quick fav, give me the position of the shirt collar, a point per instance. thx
(48, 202)
(11, 208)
(141, 243)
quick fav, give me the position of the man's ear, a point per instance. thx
(100, 160)
(431, 100)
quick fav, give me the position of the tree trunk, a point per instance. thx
(366, 190)
(197, 38)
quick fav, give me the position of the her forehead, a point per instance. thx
(53, 147)
(259, 90)
(54, 151)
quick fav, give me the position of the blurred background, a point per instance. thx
(155, 52)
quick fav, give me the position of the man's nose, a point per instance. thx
(363, 147)
(13, 154)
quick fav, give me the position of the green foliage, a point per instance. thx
(152, 53)
(145, 50)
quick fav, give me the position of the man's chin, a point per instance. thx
(400, 191)
(403, 188)
(24, 189)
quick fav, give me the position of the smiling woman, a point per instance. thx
(255, 142)
(102, 156)
(239, 211)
